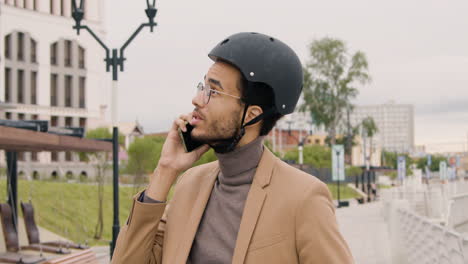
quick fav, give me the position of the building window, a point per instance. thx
(82, 92)
(20, 47)
(54, 121)
(68, 53)
(8, 115)
(20, 98)
(52, 6)
(54, 156)
(35, 5)
(7, 84)
(81, 56)
(33, 87)
(33, 51)
(34, 117)
(53, 89)
(34, 156)
(68, 91)
(82, 122)
(68, 156)
(21, 156)
(62, 6)
(53, 54)
(68, 121)
(7, 46)
(21, 116)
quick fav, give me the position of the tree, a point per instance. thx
(100, 160)
(369, 129)
(329, 79)
(435, 161)
(390, 160)
(143, 156)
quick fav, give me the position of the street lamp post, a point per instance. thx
(300, 144)
(114, 61)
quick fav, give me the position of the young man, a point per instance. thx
(249, 206)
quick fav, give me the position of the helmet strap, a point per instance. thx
(231, 144)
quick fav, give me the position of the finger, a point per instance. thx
(182, 124)
(185, 117)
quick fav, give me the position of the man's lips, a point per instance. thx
(196, 118)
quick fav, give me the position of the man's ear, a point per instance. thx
(252, 112)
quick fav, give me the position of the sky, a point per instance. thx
(417, 52)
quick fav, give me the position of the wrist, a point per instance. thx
(160, 183)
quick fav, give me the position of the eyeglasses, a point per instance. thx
(207, 92)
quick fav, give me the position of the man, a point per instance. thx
(249, 206)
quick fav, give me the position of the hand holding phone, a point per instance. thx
(173, 160)
(187, 141)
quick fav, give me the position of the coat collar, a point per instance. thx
(265, 168)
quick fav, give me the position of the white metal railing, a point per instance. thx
(435, 201)
(425, 242)
(428, 224)
(458, 213)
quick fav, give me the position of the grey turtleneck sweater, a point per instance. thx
(216, 236)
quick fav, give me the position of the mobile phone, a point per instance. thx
(187, 141)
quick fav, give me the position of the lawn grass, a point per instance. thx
(345, 191)
(71, 209)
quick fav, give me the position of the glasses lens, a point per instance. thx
(205, 91)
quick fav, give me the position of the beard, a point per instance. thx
(221, 134)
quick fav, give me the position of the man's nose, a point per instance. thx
(197, 100)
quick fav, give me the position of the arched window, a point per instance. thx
(83, 176)
(20, 78)
(69, 175)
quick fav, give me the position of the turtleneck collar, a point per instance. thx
(236, 164)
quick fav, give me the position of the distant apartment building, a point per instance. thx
(395, 123)
(48, 72)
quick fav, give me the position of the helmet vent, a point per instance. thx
(224, 41)
(272, 39)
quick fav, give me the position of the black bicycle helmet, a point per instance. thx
(261, 59)
(264, 59)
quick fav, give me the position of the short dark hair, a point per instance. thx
(261, 94)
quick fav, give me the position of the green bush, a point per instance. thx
(316, 156)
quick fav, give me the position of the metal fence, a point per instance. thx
(428, 223)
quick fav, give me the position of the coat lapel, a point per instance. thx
(252, 209)
(195, 216)
(253, 205)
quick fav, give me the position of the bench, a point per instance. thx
(82, 257)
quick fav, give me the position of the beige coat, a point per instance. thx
(288, 218)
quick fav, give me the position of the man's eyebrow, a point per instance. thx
(215, 82)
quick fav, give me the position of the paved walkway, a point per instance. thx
(102, 254)
(366, 232)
